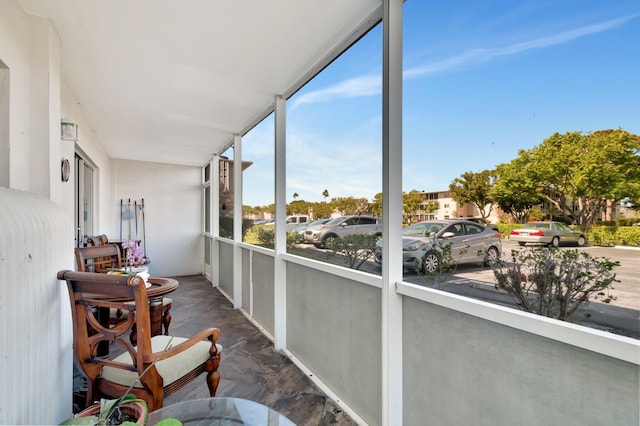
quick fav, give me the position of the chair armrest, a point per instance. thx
(208, 333)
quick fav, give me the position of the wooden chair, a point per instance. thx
(101, 259)
(93, 241)
(157, 367)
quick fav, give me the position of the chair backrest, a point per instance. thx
(90, 292)
(99, 258)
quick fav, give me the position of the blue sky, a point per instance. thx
(481, 81)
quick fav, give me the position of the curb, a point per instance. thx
(626, 247)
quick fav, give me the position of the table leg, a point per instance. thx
(155, 312)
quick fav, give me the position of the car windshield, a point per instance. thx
(318, 222)
(336, 221)
(423, 229)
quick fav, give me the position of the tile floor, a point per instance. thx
(250, 367)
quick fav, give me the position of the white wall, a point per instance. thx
(91, 148)
(172, 198)
(14, 52)
(36, 236)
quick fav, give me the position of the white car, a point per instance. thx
(548, 233)
(423, 244)
(341, 226)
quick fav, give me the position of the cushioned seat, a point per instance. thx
(170, 369)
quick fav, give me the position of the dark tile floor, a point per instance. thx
(250, 367)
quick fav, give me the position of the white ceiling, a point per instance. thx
(172, 81)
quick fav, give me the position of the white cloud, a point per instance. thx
(366, 85)
(482, 55)
(371, 84)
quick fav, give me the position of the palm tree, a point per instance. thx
(325, 194)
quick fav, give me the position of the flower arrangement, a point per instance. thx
(134, 255)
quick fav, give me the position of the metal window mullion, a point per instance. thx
(392, 369)
(237, 221)
(215, 218)
(279, 267)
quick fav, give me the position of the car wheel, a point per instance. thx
(492, 256)
(327, 241)
(430, 262)
(520, 243)
(555, 242)
(582, 241)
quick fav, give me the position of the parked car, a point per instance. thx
(423, 242)
(293, 221)
(481, 221)
(340, 226)
(300, 230)
(549, 233)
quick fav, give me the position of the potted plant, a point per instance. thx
(127, 410)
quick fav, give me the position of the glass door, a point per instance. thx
(83, 201)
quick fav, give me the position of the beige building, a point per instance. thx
(450, 209)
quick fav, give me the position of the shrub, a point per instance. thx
(356, 248)
(266, 236)
(553, 282)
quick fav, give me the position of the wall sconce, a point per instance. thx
(68, 131)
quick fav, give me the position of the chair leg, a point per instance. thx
(213, 375)
(133, 336)
(166, 319)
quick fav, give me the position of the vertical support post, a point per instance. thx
(237, 221)
(215, 219)
(279, 267)
(392, 212)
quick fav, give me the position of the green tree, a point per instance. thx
(322, 210)
(411, 205)
(376, 205)
(515, 192)
(298, 207)
(475, 188)
(325, 195)
(578, 174)
(430, 206)
(351, 205)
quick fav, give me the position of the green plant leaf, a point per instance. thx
(169, 422)
(89, 420)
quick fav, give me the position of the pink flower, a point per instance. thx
(133, 253)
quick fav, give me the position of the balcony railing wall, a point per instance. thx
(464, 361)
(461, 368)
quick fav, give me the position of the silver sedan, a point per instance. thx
(433, 245)
(548, 233)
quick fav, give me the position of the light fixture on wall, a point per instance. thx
(68, 130)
